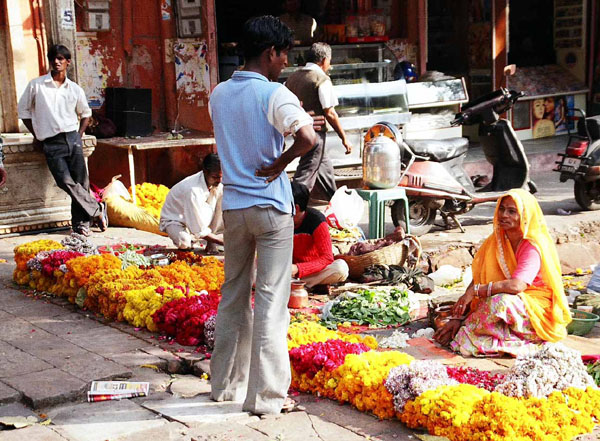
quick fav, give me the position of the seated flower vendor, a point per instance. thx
(192, 209)
(312, 258)
(516, 301)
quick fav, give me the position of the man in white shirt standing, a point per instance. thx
(314, 89)
(56, 112)
(192, 209)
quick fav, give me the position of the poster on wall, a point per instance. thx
(549, 115)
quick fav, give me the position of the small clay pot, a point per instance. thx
(298, 295)
(441, 316)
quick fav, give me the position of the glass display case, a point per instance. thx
(350, 63)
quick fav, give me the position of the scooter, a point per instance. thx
(433, 175)
(581, 160)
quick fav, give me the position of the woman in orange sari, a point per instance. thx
(516, 301)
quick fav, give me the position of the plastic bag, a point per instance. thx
(594, 283)
(446, 275)
(345, 210)
(122, 212)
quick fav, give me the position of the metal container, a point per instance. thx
(381, 163)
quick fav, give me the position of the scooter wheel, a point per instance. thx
(587, 194)
(421, 216)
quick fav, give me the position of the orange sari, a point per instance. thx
(547, 305)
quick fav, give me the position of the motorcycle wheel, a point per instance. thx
(421, 216)
(587, 194)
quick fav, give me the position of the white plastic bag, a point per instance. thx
(446, 275)
(345, 209)
(593, 285)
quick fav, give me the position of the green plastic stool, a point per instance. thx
(377, 200)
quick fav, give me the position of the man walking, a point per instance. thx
(250, 114)
(314, 89)
(56, 112)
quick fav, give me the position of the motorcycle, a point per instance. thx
(581, 160)
(433, 175)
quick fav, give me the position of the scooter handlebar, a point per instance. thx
(500, 103)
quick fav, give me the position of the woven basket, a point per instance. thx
(394, 254)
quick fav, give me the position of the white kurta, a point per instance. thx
(191, 204)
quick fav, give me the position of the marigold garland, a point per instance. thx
(26, 251)
(302, 333)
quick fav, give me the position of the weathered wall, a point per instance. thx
(142, 50)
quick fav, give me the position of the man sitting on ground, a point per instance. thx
(192, 209)
(313, 256)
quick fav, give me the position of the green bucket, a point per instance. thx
(582, 323)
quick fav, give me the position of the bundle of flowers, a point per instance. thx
(142, 303)
(407, 382)
(444, 410)
(54, 264)
(483, 379)
(209, 331)
(360, 381)
(553, 368)
(79, 243)
(150, 197)
(466, 413)
(185, 256)
(106, 289)
(28, 250)
(184, 318)
(310, 359)
(79, 271)
(302, 333)
(208, 275)
(25, 252)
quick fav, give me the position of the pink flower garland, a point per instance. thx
(184, 318)
(311, 358)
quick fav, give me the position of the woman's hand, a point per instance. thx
(460, 307)
(446, 333)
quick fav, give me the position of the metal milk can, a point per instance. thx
(381, 163)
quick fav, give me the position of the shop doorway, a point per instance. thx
(531, 33)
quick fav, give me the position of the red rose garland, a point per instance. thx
(311, 358)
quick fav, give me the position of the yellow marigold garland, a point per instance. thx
(302, 333)
(28, 250)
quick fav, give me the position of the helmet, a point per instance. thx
(406, 70)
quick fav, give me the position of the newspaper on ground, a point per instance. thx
(117, 390)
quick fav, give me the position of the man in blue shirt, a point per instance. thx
(251, 112)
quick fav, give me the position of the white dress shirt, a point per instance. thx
(327, 96)
(52, 109)
(192, 204)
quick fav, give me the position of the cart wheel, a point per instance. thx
(587, 194)
(421, 216)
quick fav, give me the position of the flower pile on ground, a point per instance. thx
(209, 331)
(184, 318)
(483, 379)
(151, 197)
(553, 368)
(302, 333)
(407, 382)
(310, 359)
(23, 253)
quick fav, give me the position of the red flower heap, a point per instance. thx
(55, 260)
(311, 358)
(184, 318)
(483, 379)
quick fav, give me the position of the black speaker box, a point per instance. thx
(132, 123)
(130, 109)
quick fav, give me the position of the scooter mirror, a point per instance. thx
(510, 69)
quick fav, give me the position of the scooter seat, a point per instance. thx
(439, 150)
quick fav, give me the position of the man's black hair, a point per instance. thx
(260, 33)
(211, 163)
(301, 195)
(58, 49)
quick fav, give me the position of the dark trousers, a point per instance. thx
(316, 167)
(64, 155)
